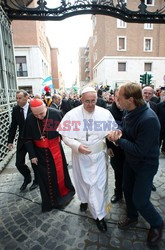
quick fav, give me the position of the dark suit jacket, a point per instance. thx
(76, 103)
(155, 99)
(161, 116)
(153, 106)
(53, 105)
(66, 105)
(101, 102)
(17, 121)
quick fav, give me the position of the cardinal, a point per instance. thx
(45, 151)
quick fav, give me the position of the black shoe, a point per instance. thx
(101, 225)
(33, 186)
(25, 183)
(153, 188)
(115, 198)
(83, 207)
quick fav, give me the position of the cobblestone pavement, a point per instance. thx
(24, 227)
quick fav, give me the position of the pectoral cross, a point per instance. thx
(87, 135)
(42, 138)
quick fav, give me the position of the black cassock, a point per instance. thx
(43, 142)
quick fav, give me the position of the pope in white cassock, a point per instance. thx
(84, 130)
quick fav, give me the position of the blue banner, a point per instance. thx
(47, 79)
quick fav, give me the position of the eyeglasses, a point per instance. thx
(90, 102)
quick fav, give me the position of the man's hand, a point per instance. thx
(10, 146)
(34, 161)
(84, 150)
(114, 135)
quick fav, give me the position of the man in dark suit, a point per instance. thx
(148, 93)
(56, 101)
(19, 114)
(100, 101)
(117, 156)
(66, 105)
(161, 116)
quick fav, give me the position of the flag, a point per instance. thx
(48, 81)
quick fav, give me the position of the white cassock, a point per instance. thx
(89, 171)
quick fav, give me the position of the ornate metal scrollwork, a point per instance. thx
(17, 9)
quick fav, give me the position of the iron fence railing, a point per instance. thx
(7, 86)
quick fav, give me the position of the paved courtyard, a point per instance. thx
(24, 227)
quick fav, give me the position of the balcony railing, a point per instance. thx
(87, 69)
(87, 60)
(86, 52)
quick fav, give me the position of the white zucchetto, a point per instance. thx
(88, 89)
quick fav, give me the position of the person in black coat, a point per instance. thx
(19, 114)
(66, 105)
(76, 101)
(148, 93)
(140, 141)
(100, 101)
(56, 102)
(43, 143)
(117, 156)
(161, 116)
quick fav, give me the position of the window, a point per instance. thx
(121, 66)
(121, 24)
(148, 26)
(149, 2)
(94, 39)
(87, 69)
(121, 43)
(148, 44)
(21, 66)
(147, 67)
(95, 56)
(94, 21)
(95, 73)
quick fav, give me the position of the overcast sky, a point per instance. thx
(68, 36)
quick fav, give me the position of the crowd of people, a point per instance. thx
(94, 125)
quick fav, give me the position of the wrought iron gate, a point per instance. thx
(7, 85)
(19, 10)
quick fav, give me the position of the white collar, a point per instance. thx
(26, 106)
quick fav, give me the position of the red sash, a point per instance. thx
(54, 146)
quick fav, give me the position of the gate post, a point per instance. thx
(8, 85)
(3, 63)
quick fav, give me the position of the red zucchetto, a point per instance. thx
(36, 103)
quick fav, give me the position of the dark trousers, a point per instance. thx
(20, 163)
(137, 184)
(117, 162)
